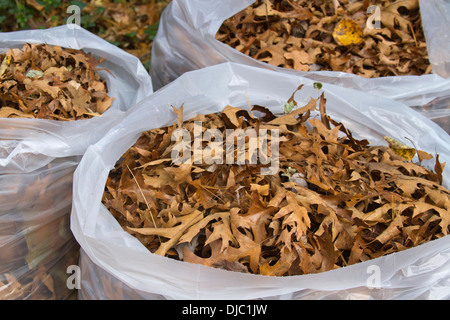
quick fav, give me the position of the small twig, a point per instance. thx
(246, 49)
(413, 34)
(100, 69)
(215, 195)
(143, 196)
(249, 104)
(343, 259)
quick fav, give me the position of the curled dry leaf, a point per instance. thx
(50, 82)
(335, 200)
(333, 35)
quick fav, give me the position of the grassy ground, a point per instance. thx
(131, 25)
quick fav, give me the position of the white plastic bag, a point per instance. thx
(115, 265)
(37, 161)
(186, 41)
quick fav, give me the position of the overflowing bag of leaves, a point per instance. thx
(49, 82)
(332, 35)
(331, 192)
(61, 90)
(390, 48)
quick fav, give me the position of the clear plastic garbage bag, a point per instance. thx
(37, 161)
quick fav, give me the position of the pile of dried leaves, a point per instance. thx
(332, 35)
(336, 200)
(50, 82)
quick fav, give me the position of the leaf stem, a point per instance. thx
(145, 199)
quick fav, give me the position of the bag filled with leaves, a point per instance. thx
(393, 48)
(277, 189)
(61, 90)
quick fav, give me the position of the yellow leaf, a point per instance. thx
(4, 65)
(347, 32)
(401, 149)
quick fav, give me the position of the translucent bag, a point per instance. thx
(186, 41)
(36, 244)
(115, 265)
(37, 161)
